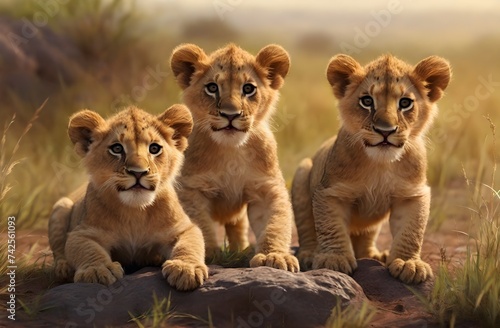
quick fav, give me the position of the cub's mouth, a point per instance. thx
(228, 128)
(384, 144)
(136, 187)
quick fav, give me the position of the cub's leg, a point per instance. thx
(302, 210)
(331, 216)
(198, 209)
(364, 244)
(59, 224)
(237, 232)
(91, 260)
(186, 269)
(270, 216)
(408, 221)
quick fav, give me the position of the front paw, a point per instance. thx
(410, 271)
(184, 276)
(283, 261)
(343, 263)
(105, 274)
(378, 255)
(305, 259)
(63, 270)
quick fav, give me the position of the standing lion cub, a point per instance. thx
(129, 213)
(373, 169)
(231, 170)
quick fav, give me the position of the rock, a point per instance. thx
(35, 59)
(245, 297)
(378, 283)
(402, 308)
(240, 297)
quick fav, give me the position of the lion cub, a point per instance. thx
(373, 169)
(129, 212)
(231, 170)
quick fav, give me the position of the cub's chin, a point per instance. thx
(384, 153)
(137, 198)
(230, 137)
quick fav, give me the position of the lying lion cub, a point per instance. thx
(129, 212)
(373, 169)
(231, 169)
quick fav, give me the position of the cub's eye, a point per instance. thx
(116, 149)
(366, 102)
(155, 149)
(405, 104)
(211, 89)
(249, 89)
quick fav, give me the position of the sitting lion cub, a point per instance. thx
(231, 169)
(373, 169)
(129, 212)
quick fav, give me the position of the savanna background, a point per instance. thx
(64, 56)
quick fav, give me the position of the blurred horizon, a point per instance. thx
(433, 20)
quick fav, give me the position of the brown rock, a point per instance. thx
(247, 297)
(399, 303)
(33, 58)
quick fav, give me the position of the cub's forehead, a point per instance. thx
(387, 68)
(231, 58)
(133, 125)
(388, 73)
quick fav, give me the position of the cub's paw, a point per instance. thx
(184, 276)
(342, 263)
(283, 261)
(105, 274)
(379, 256)
(63, 270)
(305, 259)
(410, 271)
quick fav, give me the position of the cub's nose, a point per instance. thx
(137, 172)
(230, 117)
(385, 131)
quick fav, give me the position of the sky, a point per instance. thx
(438, 19)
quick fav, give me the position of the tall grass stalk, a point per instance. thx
(351, 316)
(7, 165)
(472, 292)
(162, 313)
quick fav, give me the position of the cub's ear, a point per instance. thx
(82, 129)
(435, 72)
(178, 117)
(185, 61)
(276, 61)
(342, 70)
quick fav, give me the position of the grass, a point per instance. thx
(28, 207)
(30, 266)
(162, 314)
(232, 259)
(351, 316)
(471, 291)
(120, 49)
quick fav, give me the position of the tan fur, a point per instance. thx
(113, 221)
(231, 170)
(354, 182)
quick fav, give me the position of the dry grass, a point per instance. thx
(162, 315)
(472, 291)
(351, 316)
